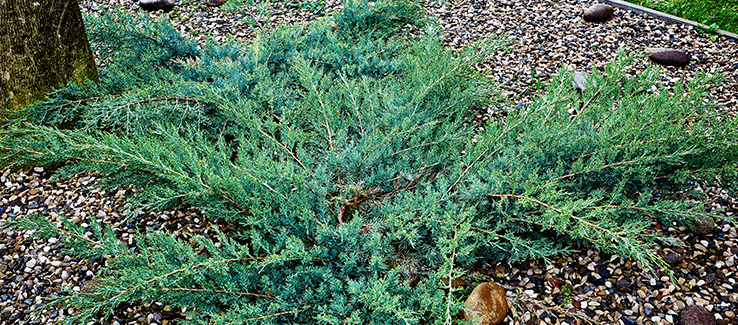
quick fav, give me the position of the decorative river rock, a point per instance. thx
(696, 315)
(486, 304)
(154, 5)
(581, 80)
(666, 56)
(598, 12)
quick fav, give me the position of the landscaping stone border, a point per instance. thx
(664, 16)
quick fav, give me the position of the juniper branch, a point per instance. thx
(240, 293)
(603, 167)
(196, 266)
(274, 315)
(143, 101)
(292, 154)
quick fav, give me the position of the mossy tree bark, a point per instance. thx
(43, 45)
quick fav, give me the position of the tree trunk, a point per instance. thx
(43, 45)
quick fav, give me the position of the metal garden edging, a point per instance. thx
(664, 16)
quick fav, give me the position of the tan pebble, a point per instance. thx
(641, 294)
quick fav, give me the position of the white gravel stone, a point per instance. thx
(31, 263)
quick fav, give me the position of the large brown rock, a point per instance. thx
(696, 315)
(486, 304)
(666, 56)
(598, 12)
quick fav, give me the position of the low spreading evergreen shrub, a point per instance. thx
(349, 161)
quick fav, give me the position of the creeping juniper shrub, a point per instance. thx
(345, 160)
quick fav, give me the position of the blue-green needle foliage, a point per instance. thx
(345, 159)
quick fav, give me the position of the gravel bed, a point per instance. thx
(604, 289)
(550, 34)
(34, 269)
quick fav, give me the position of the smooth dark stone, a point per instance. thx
(598, 12)
(710, 278)
(622, 285)
(547, 315)
(16, 316)
(154, 5)
(666, 56)
(696, 315)
(627, 321)
(216, 3)
(672, 259)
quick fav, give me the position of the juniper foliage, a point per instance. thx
(346, 161)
